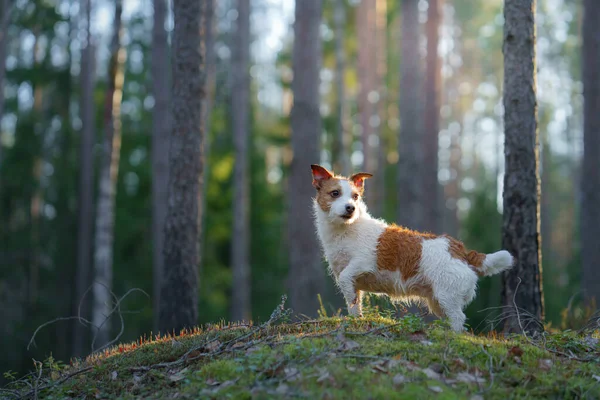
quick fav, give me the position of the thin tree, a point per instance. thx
(179, 294)
(590, 180)
(107, 185)
(410, 210)
(160, 146)
(5, 7)
(86, 184)
(339, 148)
(521, 222)
(307, 274)
(240, 108)
(431, 121)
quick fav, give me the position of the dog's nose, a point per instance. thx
(350, 208)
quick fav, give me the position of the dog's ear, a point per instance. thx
(319, 175)
(359, 179)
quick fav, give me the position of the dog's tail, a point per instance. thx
(490, 264)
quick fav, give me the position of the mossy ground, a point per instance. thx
(330, 358)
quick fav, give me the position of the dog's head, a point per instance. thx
(339, 197)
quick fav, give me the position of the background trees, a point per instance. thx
(54, 117)
(179, 294)
(307, 275)
(521, 224)
(590, 178)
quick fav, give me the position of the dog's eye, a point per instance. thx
(355, 196)
(335, 193)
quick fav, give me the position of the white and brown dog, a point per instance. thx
(368, 255)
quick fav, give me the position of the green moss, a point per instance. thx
(373, 357)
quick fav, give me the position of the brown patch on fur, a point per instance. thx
(324, 198)
(399, 249)
(373, 284)
(473, 258)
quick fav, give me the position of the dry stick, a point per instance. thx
(117, 307)
(277, 314)
(61, 381)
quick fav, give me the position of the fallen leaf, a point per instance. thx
(469, 378)
(252, 349)
(291, 373)
(399, 379)
(350, 368)
(596, 377)
(515, 351)
(212, 346)
(436, 389)
(324, 375)
(237, 345)
(431, 374)
(517, 360)
(591, 341)
(545, 364)
(345, 343)
(274, 370)
(282, 389)
(459, 363)
(379, 368)
(176, 377)
(137, 379)
(426, 343)
(212, 382)
(439, 368)
(113, 375)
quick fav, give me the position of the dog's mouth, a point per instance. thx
(347, 216)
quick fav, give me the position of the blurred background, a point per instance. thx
(47, 84)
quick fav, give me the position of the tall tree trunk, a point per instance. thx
(380, 107)
(431, 192)
(86, 185)
(341, 162)
(179, 295)
(109, 170)
(160, 147)
(211, 72)
(5, 8)
(410, 209)
(307, 275)
(521, 222)
(366, 28)
(590, 177)
(240, 104)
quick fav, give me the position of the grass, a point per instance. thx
(329, 358)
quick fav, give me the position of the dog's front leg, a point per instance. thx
(353, 297)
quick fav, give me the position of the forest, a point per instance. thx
(155, 184)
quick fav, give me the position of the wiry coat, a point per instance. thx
(368, 255)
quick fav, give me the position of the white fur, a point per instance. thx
(350, 248)
(497, 262)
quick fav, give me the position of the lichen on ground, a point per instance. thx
(329, 358)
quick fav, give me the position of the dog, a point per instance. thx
(366, 254)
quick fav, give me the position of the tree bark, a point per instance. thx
(5, 8)
(160, 146)
(179, 294)
(410, 209)
(521, 222)
(109, 170)
(431, 191)
(590, 178)
(307, 274)
(209, 44)
(86, 185)
(340, 149)
(240, 104)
